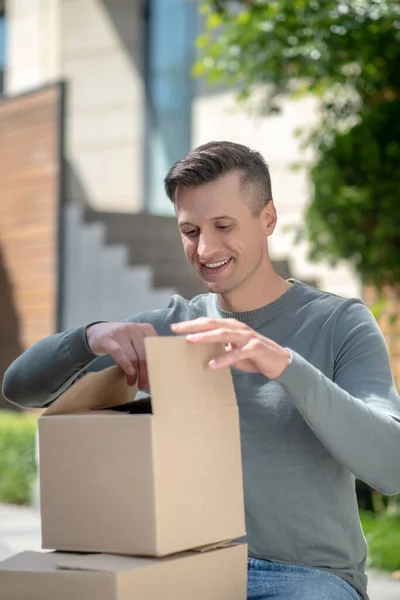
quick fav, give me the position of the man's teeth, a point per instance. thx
(218, 264)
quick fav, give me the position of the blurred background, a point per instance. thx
(99, 97)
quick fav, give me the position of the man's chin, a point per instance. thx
(215, 288)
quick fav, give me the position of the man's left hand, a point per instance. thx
(246, 349)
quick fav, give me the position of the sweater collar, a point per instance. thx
(266, 311)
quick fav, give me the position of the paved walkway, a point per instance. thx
(20, 530)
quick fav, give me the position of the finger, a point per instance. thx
(130, 341)
(148, 330)
(225, 336)
(137, 343)
(115, 350)
(135, 335)
(203, 324)
(235, 355)
(131, 380)
(124, 338)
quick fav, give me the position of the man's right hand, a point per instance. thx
(125, 343)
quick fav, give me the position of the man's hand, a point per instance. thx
(125, 343)
(246, 349)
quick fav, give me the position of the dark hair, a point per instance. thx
(210, 161)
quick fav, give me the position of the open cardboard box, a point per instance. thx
(220, 574)
(147, 484)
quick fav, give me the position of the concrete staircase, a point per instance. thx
(99, 283)
(152, 240)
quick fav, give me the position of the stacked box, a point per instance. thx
(153, 487)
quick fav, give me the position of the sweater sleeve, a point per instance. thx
(44, 371)
(357, 415)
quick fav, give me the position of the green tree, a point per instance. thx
(347, 53)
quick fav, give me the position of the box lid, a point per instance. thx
(29, 561)
(99, 563)
(53, 561)
(180, 381)
(180, 378)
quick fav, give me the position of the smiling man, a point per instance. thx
(318, 406)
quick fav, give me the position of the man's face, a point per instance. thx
(221, 237)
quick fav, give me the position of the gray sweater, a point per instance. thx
(332, 416)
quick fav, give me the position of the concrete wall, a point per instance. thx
(32, 44)
(101, 58)
(217, 116)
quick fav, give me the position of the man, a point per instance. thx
(317, 401)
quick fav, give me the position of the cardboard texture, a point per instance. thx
(216, 575)
(144, 484)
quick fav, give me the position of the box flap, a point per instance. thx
(53, 561)
(32, 561)
(103, 563)
(102, 389)
(216, 546)
(180, 379)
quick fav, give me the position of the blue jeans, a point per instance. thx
(278, 581)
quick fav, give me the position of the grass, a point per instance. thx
(17, 456)
(382, 533)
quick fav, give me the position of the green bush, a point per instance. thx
(382, 533)
(17, 457)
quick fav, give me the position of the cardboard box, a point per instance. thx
(144, 484)
(219, 574)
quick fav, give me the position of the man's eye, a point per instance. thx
(190, 233)
(223, 227)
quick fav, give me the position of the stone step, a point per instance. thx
(99, 282)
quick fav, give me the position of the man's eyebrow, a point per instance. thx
(222, 217)
(219, 218)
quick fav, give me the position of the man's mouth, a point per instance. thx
(216, 264)
(215, 267)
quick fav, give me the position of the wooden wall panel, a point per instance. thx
(30, 171)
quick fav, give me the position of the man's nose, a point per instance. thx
(207, 247)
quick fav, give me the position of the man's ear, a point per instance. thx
(269, 218)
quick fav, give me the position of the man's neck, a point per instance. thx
(255, 295)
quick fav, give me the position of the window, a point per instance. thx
(2, 45)
(170, 53)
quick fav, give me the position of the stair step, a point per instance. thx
(99, 282)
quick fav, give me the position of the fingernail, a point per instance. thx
(192, 336)
(176, 326)
(212, 364)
